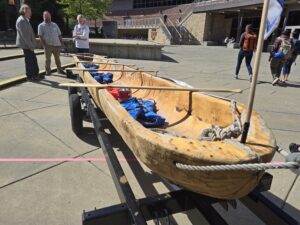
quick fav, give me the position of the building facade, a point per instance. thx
(141, 4)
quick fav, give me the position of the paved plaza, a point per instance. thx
(35, 123)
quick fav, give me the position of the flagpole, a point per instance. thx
(260, 44)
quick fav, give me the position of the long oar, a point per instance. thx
(260, 45)
(89, 56)
(110, 70)
(99, 86)
(99, 62)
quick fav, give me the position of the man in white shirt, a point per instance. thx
(81, 35)
(51, 39)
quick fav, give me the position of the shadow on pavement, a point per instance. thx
(166, 58)
(290, 84)
(146, 180)
(289, 209)
(51, 83)
(89, 136)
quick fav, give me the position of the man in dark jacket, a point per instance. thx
(277, 57)
(26, 41)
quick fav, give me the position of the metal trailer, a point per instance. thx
(139, 211)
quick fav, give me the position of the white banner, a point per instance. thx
(274, 15)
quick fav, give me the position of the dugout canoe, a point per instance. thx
(187, 115)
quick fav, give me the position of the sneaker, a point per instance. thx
(36, 78)
(250, 78)
(294, 147)
(48, 73)
(236, 77)
(30, 79)
(41, 77)
(61, 72)
(275, 81)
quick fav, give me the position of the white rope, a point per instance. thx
(250, 166)
(232, 131)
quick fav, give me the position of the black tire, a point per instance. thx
(72, 90)
(76, 113)
(69, 74)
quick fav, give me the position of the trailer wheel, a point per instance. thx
(70, 74)
(72, 90)
(76, 113)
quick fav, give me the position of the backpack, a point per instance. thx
(296, 49)
(285, 51)
(249, 43)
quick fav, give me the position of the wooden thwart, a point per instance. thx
(112, 70)
(107, 63)
(89, 56)
(151, 88)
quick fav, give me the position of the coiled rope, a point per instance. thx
(232, 131)
(250, 166)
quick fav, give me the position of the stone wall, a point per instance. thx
(217, 27)
(121, 48)
(140, 34)
(204, 27)
(193, 29)
(156, 35)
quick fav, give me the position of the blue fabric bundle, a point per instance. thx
(103, 78)
(144, 112)
(94, 67)
(90, 66)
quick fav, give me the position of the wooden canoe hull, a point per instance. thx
(193, 111)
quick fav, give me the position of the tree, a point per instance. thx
(52, 6)
(91, 9)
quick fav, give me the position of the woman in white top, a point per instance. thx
(81, 35)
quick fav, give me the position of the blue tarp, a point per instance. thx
(144, 112)
(103, 78)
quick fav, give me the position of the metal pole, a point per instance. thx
(255, 69)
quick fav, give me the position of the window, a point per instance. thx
(158, 3)
(293, 19)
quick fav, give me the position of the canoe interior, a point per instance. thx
(187, 115)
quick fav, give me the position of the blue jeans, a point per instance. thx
(248, 57)
(287, 67)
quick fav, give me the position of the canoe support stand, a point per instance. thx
(162, 206)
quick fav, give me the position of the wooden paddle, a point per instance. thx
(112, 70)
(98, 62)
(89, 56)
(99, 86)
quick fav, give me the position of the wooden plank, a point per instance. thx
(111, 70)
(107, 63)
(151, 88)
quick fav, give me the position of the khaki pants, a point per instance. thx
(55, 50)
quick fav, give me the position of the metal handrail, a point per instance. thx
(175, 28)
(152, 22)
(189, 11)
(165, 29)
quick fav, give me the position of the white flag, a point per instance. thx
(274, 15)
